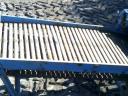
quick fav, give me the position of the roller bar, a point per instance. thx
(54, 47)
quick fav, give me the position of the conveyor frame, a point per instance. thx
(24, 64)
(52, 65)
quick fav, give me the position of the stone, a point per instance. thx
(29, 7)
(56, 9)
(59, 12)
(37, 6)
(30, 14)
(3, 6)
(10, 6)
(40, 13)
(55, 5)
(49, 12)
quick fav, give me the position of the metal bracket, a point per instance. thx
(7, 82)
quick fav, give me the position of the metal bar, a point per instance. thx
(53, 65)
(41, 40)
(1, 32)
(97, 52)
(10, 40)
(88, 51)
(91, 47)
(100, 51)
(70, 44)
(27, 46)
(112, 49)
(7, 82)
(56, 43)
(65, 43)
(108, 48)
(85, 50)
(4, 50)
(14, 19)
(61, 43)
(21, 40)
(103, 48)
(49, 53)
(31, 41)
(17, 85)
(51, 42)
(79, 45)
(74, 44)
(16, 40)
(36, 41)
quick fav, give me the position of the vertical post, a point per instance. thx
(119, 83)
(17, 85)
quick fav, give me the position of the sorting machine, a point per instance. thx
(34, 47)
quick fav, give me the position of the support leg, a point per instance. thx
(119, 83)
(17, 85)
(7, 83)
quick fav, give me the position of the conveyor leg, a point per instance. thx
(119, 83)
(7, 83)
(17, 85)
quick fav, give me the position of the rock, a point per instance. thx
(30, 14)
(3, 6)
(59, 12)
(56, 9)
(19, 13)
(40, 13)
(19, 7)
(46, 5)
(49, 12)
(55, 5)
(10, 6)
(60, 17)
(29, 7)
(68, 11)
(51, 17)
(37, 6)
(42, 2)
(85, 18)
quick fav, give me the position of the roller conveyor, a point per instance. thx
(60, 43)
(34, 47)
(29, 44)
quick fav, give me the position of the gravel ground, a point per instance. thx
(84, 11)
(101, 12)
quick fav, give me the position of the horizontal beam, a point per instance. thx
(15, 19)
(63, 66)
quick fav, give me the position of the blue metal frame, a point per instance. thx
(6, 81)
(63, 66)
(17, 85)
(14, 19)
(122, 25)
(60, 65)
